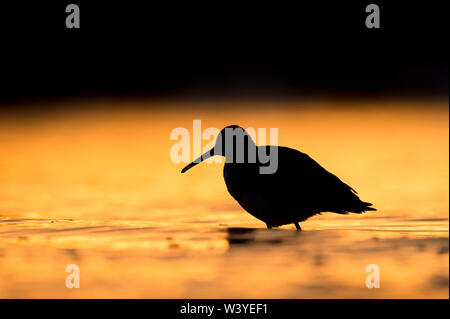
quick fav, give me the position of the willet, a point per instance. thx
(298, 189)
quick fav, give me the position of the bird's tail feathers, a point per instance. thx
(363, 207)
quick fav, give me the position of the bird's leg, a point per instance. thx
(269, 226)
(297, 226)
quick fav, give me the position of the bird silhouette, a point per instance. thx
(298, 189)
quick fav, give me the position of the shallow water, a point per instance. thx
(205, 260)
(98, 190)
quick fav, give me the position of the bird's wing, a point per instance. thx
(303, 177)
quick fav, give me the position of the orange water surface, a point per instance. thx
(95, 186)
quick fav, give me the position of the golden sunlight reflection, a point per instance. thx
(97, 188)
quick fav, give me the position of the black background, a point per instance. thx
(222, 48)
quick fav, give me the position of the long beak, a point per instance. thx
(199, 160)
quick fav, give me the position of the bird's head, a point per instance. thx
(233, 142)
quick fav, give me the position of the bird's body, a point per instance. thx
(298, 189)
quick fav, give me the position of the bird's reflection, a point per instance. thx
(241, 236)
